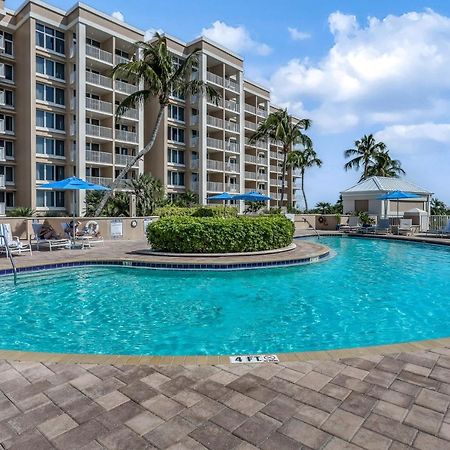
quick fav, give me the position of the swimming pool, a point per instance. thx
(373, 292)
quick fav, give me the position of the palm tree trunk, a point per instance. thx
(132, 162)
(303, 190)
(283, 178)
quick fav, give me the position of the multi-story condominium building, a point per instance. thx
(58, 103)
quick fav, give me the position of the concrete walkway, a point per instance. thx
(391, 402)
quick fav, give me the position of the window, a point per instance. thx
(124, 151)
(176, 112)
(6, 97)
(175, 134)
(177, 94)
(48, 146)
(177, 61)
(50, 68)
(8, 172)
(50, 94)
(49, 39)
(46, 119)
(93, 43)
(49, 172)
(176, 178)
(6, 124)
(175, 156)
(93, 146)
(9, 148)
(6, 72)
(49, 199)
(122, 54)
(7, 40)
(8, 199)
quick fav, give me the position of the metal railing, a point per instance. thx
(99, 105)
(100, 180)
(250, 175)
(231, 167)
(9, 256)
(194, 164)
(214, 186)
(194, 186)
(2, 154)
(438, 222)
(126, 88)
(214, 143)
(98, 53)
(123, 160)
(99, 80)
(121, 59)
(250, 125)
(232, 126)
(250, 108)
(232, 105)
(261, 176)
(99, 157)
(214, 121)
(2, 181)
(127, 136)
(275, 182)
(131, 114)
(232, 147)
(261, 112)
(231, 84)
(232, 188)
(276, 155)
(98, 131)
(2, 208)
(213, 78)
(213, 164)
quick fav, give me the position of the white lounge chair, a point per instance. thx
(354, 225)
(16, 247)
(86, 239)
(405, 228)
(47, 243)
(382, 227)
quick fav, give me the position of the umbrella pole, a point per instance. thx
(73, 218)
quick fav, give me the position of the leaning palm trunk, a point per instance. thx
(283, 177)
(303, 190)
(132, 162)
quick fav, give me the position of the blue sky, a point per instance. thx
(353, 67)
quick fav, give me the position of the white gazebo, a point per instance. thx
(363, 197)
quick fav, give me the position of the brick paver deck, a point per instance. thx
(394, 402)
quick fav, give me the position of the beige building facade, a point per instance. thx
(58, 103)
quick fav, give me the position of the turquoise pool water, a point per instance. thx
(372, 292)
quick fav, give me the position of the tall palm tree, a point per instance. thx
(364, 154)
(280, 126)
(384, 166)
(158, 75)
(304, 159)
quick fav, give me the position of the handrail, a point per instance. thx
(9, 255)
(313, 227)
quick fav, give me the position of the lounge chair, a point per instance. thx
(405, 228)
(86, 238)
(353, 225)
(382, 227)
(13, 242)
(47, 243)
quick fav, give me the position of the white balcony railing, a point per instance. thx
(2, 208)
(99, 54)
(232, 126)
(212, 186)
(98, 131)
(232, 147)
(250, 175)
(120, 59)
(2, 181)
(194, 120)
(194, 186)
(231, 105)
(126, 88)
(99, 157)
(131, 114)
(194, 164)
(100, 180)
(231, 84)
(213, 78)
(193, 141)
(214, 121)
(250, 108)
(126, 136)
(99, 105)
(255, 160)
(275, 182)
(2, 154)
(261, 112)
(250, 125)
(99, 80)
(261, 176)
(214, 165)
(232, 167)
(214, 143)
(276, 155)
(231, 187)
(123, 160)
(262, 144)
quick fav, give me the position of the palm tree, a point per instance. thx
(149, 194)
(324, 207)
(280, 126)
(364, 154)
(384, 166)
(303, 159)
(158, 75)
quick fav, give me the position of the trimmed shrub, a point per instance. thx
(220, 235)
(198, 211)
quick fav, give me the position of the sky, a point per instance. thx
(353, 67)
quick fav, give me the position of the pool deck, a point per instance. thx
(391, 397)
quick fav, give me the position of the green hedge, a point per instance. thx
(197, 211)
(219, 235)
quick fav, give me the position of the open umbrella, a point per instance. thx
(253, 196)
(397, 195)
(223, 196)
(74, 184)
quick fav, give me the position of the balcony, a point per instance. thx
(276, 155)
(212, 164)
(214, 187)
(98, 131)
(100, 180)
(262, 144)
(2, 182)
(193, 141)
(250, 109)
(250, 125)
(99, 54)
(275, 168)
(120, 60)
(131, 114)
(2, 209)
(126, 136)
(261, 176)
(194, 164)
(99, 105)
(232, 126)
(194, 186)
(275, 182)
(255, 160)
(214, 143)
(213, 78)
(232, 147)
(98, 157)
(233, 188)
(126, 88)
(123, 160)
(214, 121)
(232, 85)
(231, 105)
(2, 154)
(98, 80)
(194, 120)
(232, 167)
(261, 112)
(250, 175)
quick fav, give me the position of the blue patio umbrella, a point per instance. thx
(74, 184)
(222, 196)
(252, 196)
(397, 195)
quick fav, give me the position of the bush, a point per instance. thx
(22, 211)
(219, 235)
(199, 211)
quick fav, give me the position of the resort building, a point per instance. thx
(58, 103)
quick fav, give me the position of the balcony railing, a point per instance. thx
(214, 121)
(214, 165)
(127, 136)
(214, 187)
(99, 157)
(250, 108)
(262, 144)
(231, 84)
(255, 160)
(2, 154)
(261, 176)
(194, 120)
(99, 105)
(98, 53)
(276, 155)
(275, 182)
(214, 143)
(193, 141)
(99, 80)
(131, 114)
(123, 160)
(250, 175)
(250, 125)
(232, 126)
(98, 131)
(261, 112)
(232, 147)
(233, 188)
(233, 106)
(126, 88)
(2, 181)
(120, 59)
(194, 164)
(2, 209)
(194, 186)
(100, 180)
(231, 167)
(213, 78)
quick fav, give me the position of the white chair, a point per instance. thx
(354, 225)
(13, 242)
(47, 243)
(405, 227)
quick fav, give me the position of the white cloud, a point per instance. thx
(343, 24)
(237, 38)
(118, 15)
(151, 32)
(297, 35)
